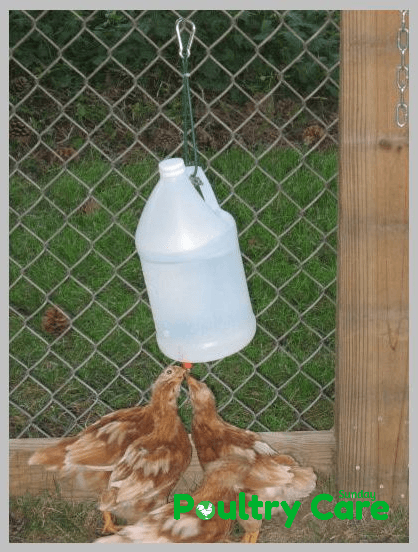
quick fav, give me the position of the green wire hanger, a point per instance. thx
(187, 101)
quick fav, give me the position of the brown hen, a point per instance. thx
(223, 481)
(272, 476)
(135, 455)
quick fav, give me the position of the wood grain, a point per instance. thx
(372, 323)
(311, 448)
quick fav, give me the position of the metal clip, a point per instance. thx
(196, 180)
(192, 33)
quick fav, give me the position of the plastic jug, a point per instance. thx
(190, 257)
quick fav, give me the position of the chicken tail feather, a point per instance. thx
(51, 457)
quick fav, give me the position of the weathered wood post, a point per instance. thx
(372, 326)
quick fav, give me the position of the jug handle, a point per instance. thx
(205, 188)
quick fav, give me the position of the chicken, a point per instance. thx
(273, 476)
(134, 455)
(223, 481)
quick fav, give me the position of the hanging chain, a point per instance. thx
(402, 72)
(187, 100)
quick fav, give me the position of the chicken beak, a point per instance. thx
(191, 382)
(186, 369)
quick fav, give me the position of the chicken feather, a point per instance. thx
(273, 476)
(139, 453)
(224, 479)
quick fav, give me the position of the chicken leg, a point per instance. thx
(250, 538)
(109, 525)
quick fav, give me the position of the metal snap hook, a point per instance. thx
(191, 37)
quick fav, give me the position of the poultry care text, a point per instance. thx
(344, 509)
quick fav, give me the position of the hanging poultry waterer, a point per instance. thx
(192, 265)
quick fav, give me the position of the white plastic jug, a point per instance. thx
(190, 257)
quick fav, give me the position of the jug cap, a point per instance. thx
(170, 168)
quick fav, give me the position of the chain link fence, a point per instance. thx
(95, 104)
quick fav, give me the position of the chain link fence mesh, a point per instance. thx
(86, 138)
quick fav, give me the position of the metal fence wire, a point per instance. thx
(95, 104)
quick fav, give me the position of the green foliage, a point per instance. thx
(280, 37)
(314, 28)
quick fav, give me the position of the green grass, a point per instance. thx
(49, 518)
(90, 270)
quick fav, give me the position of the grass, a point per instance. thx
(307, 528)
(89, 269)
(48, 518)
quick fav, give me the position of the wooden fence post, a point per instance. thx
(372, 357)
